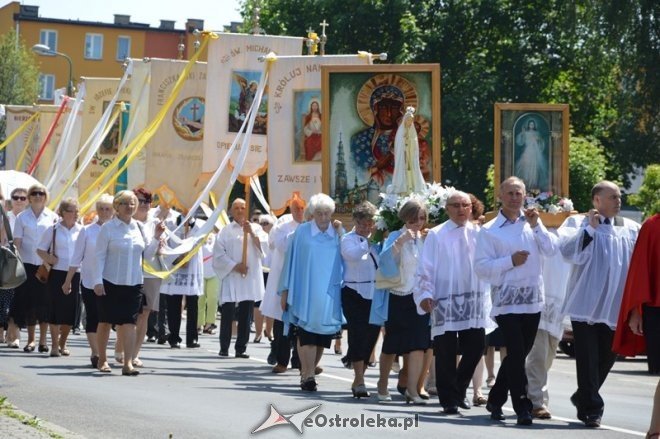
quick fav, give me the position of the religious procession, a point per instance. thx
(299, 198)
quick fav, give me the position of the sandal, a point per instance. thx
(65, 352)
(268, 336)
(55, 353)
(130, 372)
(94, 359)
(479, 400)
(137, 362)
(119, 359)
(43, 348)
(105, 368)
(13, 345)
(29, 348)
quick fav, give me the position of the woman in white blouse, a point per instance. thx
(30, 303)
(84, 260)
(118, 280)
(60, 238)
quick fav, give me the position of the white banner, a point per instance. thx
(234, 71)
(294, 107)
(16, 116)
(100, 92)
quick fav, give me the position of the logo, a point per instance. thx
(188, 118)
(294, 419)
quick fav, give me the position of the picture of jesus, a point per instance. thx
(531, 153)
(312, 132)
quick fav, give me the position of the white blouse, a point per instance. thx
(84, 254)
(65, 243)
(119, 250)
(360, 261)
(29, 228)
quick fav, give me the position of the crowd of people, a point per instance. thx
(438, 296)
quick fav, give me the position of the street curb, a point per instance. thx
(45, 428)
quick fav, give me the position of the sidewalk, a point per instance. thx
(16, 424)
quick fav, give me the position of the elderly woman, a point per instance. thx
(55, 248)
(30, 304)
(84, 259)
(406, 332)
(120, 248)
(18, 204)
(310, 287)
(360, 263)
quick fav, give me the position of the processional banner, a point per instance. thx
(16, 116)
(294, 107)
(173, 157)
(100, 92)
(234, 73)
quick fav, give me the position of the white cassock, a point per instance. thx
(555, 276)
(278, 243)
(227, 252)
(599, 268)
(446, 275)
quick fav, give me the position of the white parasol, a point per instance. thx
(10, 180)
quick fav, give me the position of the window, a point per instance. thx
(49, 38)
(94, 46)
(123, 48)
(46, 87)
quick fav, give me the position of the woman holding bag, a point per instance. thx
(56, 248)
(30, 304)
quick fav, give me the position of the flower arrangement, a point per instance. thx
(434, 196)
(548, 202)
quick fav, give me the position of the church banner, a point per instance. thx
(174, 154)
(16, 116)
(100, 92)
(294, 107)
(234, 72)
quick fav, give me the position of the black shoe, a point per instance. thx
(192, 345)
(242, 355)
(592, 421)
(271, 359)
(176, 345)
(401, 389)
(580, 415)
(223, 354)
(450, 410)
(162, 340)
(465, 404)
(495, 412)
(309, 385)
(151, 339)
(524, 418)
(94, 359)
(43, 348)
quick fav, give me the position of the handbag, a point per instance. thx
(12, 270)
(44, 269)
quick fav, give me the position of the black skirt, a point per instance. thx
(121, 304)
(30, 303)
(62, 307)
(405, 330)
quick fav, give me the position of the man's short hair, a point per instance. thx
(601, 186)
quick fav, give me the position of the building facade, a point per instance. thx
(95, 49)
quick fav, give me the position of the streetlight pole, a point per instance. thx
(42, 49)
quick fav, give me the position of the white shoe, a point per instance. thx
(384, 398)
(416, 400)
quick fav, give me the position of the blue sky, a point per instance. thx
(215, 13)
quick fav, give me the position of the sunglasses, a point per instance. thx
(19, 198)
(38, 194)
(143, 201)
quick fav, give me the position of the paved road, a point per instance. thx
(195, 394)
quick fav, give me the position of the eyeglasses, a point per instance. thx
(264, 223)
(460, 205)
(143, 201)
(71, 211)
(127, 204)
(38, 194)
(19, 197)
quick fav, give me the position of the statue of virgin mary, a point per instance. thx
(407, 177)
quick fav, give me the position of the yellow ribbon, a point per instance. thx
(20, 129)
(56, 200)
(167, 273)
(140, 141)
(26, 147)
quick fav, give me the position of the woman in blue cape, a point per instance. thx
(310, 286)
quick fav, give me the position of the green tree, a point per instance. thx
(18, 74)
(648, 197)
(587, 165)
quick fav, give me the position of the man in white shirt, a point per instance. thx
(448, 288)
(508, 256)
(599, 247)
(242, 282)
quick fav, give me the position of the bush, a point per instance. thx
(648, 197)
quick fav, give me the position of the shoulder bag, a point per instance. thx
(12, 271)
